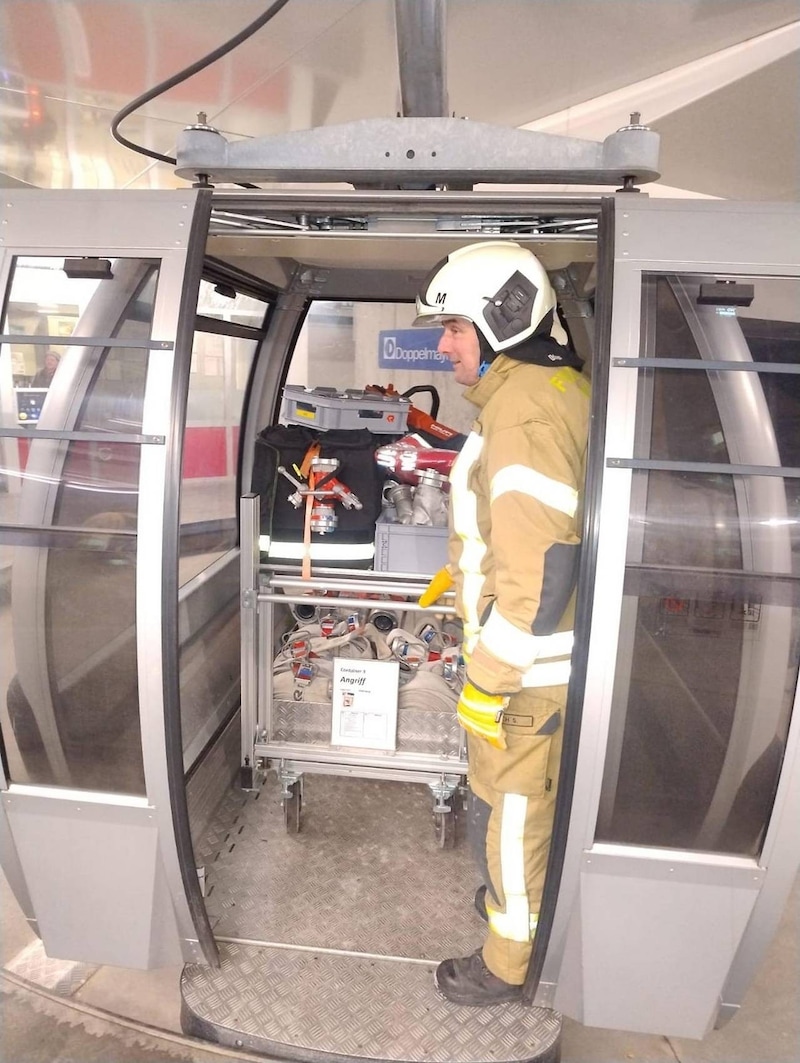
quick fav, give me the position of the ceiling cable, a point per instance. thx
(183, 75)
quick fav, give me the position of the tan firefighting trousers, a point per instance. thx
(519, 784)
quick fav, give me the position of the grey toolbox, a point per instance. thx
(296, 737)
(326, 408)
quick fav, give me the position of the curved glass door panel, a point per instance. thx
(68, 522)
(709, 648)
(711, 660)
(76, 724)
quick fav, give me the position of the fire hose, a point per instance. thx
(431, 673)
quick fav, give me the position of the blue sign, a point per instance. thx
(411, 348)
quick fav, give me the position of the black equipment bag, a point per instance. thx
(350, 543)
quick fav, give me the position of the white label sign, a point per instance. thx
(365, 703)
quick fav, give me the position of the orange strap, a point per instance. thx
(306, 473)
(308, 457)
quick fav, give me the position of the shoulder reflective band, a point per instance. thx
(527, 481)
(319, 551)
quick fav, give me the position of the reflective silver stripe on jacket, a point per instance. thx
(527, 481)
(520, 648)
(547, 674)
(464, 507)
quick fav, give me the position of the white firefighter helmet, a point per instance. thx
(501, 287)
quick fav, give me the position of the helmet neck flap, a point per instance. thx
(538, 349)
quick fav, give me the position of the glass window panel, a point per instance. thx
(715, 520)
(709, 648)
(352, 344)
(72, 484)
(115, 398)
(779, 342)
(209, 659)
(68, 664)
(86, 483)
(209, 503)
(691, 763)
(226, 304)
(692, 412)
(660, 302)
(44, 302)
(210, 671)
(685, 421)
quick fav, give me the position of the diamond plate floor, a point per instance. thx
(336, 931)
(365, 873)
(312, 1006)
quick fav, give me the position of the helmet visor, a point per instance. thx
(436, 317)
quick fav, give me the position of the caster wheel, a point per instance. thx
(292, 809)
(445, 826)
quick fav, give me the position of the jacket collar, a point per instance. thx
(480, 393)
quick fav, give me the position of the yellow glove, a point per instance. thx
(482, 714)
(440, 583)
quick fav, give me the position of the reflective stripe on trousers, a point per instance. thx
(517, 922)
(519, 785)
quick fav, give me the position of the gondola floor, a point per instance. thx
(329, 937)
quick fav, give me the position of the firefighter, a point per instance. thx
(513, 554)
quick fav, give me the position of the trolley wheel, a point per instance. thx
(293, 809)
(444, 824)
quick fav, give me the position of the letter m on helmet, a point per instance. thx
(441, 298)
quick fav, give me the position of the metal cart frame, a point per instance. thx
(262, 587)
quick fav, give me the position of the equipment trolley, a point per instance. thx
(293, 735)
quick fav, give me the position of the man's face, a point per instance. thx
(459, 343)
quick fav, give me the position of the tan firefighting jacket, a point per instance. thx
(515, 523)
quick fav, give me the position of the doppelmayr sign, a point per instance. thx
(411, 348)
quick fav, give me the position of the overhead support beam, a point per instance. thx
(421, 48)
(404, 152)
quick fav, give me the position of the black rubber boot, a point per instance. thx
(469, 981)
(480, 903)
